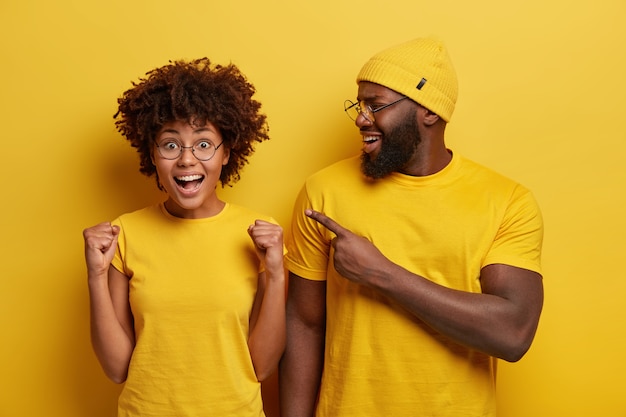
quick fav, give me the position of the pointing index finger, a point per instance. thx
(326, 221)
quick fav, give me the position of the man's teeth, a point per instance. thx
(189, 178)
(369, 139)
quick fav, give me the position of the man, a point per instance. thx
(412, 269)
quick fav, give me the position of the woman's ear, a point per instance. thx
(226, 156)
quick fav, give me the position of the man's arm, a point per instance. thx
(302, 362)
(501, 321)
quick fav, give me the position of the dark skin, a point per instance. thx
(501, 321)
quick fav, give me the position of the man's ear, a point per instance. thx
(429, 117)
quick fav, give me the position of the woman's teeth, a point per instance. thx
(189, 178)
(189, 182)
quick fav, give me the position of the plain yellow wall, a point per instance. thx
(542, 99)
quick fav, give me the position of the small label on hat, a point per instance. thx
(421, 84)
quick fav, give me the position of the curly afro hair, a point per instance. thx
(196, 92)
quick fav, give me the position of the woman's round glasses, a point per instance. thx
(203, 150)
(354, 110)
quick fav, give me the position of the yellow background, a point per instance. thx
(542, 100)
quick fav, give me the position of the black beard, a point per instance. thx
(397, 149)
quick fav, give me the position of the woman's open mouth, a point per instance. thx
(189, 182)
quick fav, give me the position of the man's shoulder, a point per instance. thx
(476, 171)
(337, 171)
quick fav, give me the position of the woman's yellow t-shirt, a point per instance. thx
(192, 286)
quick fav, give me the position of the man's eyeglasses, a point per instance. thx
(353, 110)
(203, 150)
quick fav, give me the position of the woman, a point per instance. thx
(187, 296)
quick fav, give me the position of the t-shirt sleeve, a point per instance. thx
(118, 259)
(308, 242)
(519, 239)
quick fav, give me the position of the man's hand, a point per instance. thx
(355, 258)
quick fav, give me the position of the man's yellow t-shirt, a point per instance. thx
(380, 360)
